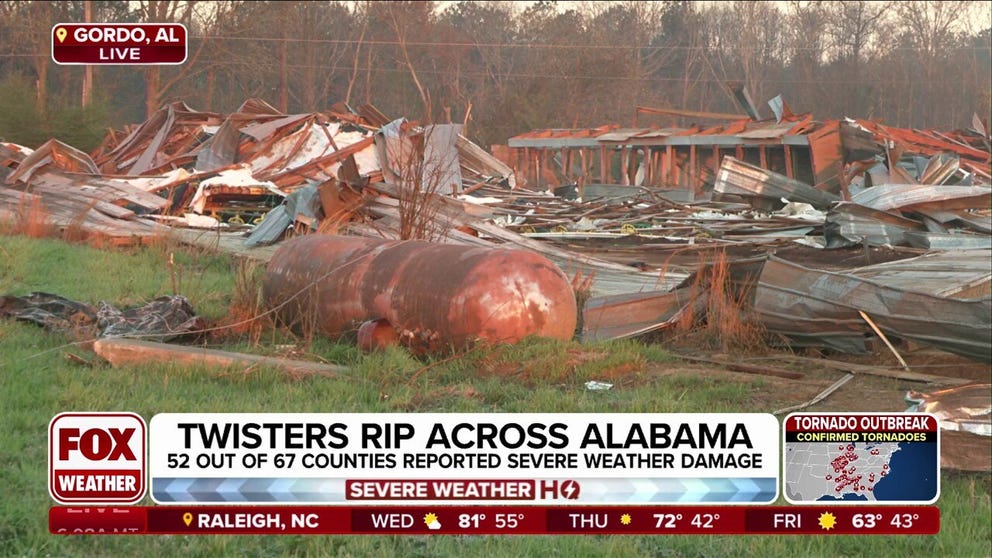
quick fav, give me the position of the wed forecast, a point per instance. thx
(511, 459)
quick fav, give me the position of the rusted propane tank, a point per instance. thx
(436, 296)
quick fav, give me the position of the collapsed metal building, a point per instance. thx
(831, 234)
(835, 156)
(639, 211)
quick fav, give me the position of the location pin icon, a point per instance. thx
(187, 518)
(60, 33)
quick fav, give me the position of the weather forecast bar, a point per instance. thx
(490, 520)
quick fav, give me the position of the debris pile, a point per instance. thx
(820, 223)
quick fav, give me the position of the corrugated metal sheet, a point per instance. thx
(896, 196)
(440, 170)
(965, 424)
(743, 179)
(767, 131)
(957, 274)
(261, 130)
(948, 241)
(632, 314)
(52, 153)
(478, 164)
(849, 224)
(621, 135)
(820, 308)
(271, 228)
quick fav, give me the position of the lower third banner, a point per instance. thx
(381, 459)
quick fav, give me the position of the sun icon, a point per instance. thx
(625, 519)
(430, 518)
(827, 520)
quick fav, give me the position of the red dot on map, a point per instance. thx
(850, 448)
(829, 477)
(869, 489)
(886, 466)
(840, 447)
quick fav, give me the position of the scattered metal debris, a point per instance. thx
(821, 308)
(638, 211)
(965, 415)
(966, 408)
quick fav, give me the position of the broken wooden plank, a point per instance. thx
(820, 397)
(874, 370)
(227, 242)
(745, 368)
(124, 352)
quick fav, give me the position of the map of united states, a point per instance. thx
(837, 470)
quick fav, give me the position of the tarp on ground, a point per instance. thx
(164, 318)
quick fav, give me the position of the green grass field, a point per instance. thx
(37, 381)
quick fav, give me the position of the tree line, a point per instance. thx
(504, 68)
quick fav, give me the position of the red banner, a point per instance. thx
(119, 43)
(496, 520)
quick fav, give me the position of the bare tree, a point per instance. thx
(199, 17)
(860, 35)
(482, 67)
(746, 45)
(933, 35)
(400, 26)
(355, 60)
(29, 24)
(621, 37)
(807, 47)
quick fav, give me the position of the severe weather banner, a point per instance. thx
(528, 459)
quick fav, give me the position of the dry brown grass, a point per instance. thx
(246, 317)
(723, 318)
(76, 231)
(32, 219)
(532, 366)
(582, 287)
(427, 399)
